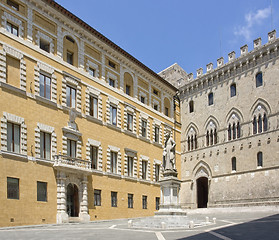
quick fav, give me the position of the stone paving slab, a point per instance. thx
(251, 224)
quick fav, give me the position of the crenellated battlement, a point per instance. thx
(233, 61)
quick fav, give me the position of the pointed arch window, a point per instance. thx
(229, 132)
(265, 123)
(260, 123)
(255, 125)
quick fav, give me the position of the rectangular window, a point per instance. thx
(97, 197)
(94, 157)
(13, 5)
(91, 71)
(210, 99)
(12, 29)
(93, 106)
(111, 64)
(157, 202)
(128, 90)
(157, 134)
(45, 86)
(144, 202)
(71, 97)
(143, 128)
(130, 166)
(114, 199)
(144, 169)
(166, 111)
(42, 191)
(45, 145)
(112, 82)
(142, 99)
(12, 188)
(70, 58)
(130, 200)
(113, 162)
(44, 45)
(129, 122)
(155, 92)
(71, 148)
(157, 172)
(13, 137)
(113, 115)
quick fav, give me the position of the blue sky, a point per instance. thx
(192, 33)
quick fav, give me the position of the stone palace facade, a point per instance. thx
(83, 124)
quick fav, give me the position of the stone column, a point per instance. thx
(84, 216)
(121, 81)
(62, 215)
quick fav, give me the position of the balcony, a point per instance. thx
(70, 164)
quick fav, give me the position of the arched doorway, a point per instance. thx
(72, 200)
(202, 192)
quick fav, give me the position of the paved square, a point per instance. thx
(239, 224)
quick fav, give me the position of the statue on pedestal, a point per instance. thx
(169, 154)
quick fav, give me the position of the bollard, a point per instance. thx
(191, 224)
(130, 223)
(207, 219)
(214, 220)
(163, 225)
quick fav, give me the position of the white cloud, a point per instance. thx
(252, 19)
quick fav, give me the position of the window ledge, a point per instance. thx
(13, 88)
(132, 179)
(114, 127)
(130, 133)
(158, 144)
(44, 161)
(144, 139)
(145, 181)
(46, 101)
(95, 120)
(113, 175)
(97, 172)
(15, 156)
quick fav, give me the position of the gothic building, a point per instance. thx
(230, 130)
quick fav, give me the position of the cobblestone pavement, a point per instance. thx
(237, 224)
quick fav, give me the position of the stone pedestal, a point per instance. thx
(170, 186)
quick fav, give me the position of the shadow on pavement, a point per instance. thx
(263, 228)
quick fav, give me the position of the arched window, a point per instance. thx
(215, 136)
(207, 138)
(233, 90)
(211, 137)
(229, 132)
(191, 106)
(192, 139)
(255, 125)
(70, 50)
(259, 159)
(260, 124)
(260, 120)
(265, 123)
(233, 163)
(189, 143)
(238, 130)
(234, 131)
(259, 79)
(210, 99)
(192, 142)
